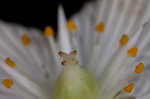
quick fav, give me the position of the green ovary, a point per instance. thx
(75, 83)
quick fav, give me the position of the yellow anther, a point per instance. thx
(132, 52)
(129, 88)
(100, 27)
(124, 40)
(139, 68)
(71, 26)
(7, 83)
(25, 40)
(10, 63)
(48, 31)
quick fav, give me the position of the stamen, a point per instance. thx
(25, 40)
(139, 68)
(71, 26)
(100, 27)
(129, 88)
(124, 40)
(48, 31)
(10, 62)
(132, 52)
(7, 83)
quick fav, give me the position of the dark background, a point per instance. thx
(39, 14)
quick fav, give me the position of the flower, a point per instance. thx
(111, 39)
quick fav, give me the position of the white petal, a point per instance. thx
(63, 32)
(85, 33)
(34, 60)
(37, 55)
(6, 96)
(15, 92)
(113, 64)
(26, 82)
(142, 90)
(119, 16)
(125, 21)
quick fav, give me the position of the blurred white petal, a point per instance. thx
(100, 53)
(33, 59)
(112, 64)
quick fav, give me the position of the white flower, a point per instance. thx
(112, 40)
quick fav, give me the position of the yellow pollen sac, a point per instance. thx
(10, 63)
(129, 88)
(71, 26)
(25, 40)
(132, 52)
(100, 27)
(7, 83)
(139, 68)
(124, 40)
(48, 31)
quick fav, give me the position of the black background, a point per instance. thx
(39, 13)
